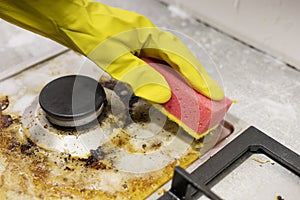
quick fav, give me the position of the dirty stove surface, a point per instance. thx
(267, 95)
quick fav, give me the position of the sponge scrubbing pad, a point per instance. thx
(192, 111)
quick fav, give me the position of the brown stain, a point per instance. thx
(98, 164)
(5, 120)
(4, 103)
(121, 139)
(156, 145)
(279, 197)
(151, 146)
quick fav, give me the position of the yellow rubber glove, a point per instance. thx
(114, 39)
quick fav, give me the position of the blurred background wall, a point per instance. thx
(272, 26)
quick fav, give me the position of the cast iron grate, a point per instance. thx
(252, 141)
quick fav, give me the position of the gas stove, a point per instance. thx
(49, 158)
(125, 148)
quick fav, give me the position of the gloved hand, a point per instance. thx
(114, 39)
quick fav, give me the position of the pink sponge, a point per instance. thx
(194, 112)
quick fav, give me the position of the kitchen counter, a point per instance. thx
(267, 91)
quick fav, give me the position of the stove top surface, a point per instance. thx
(267, 94)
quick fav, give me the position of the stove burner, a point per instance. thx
(79, 141)
(72, 101)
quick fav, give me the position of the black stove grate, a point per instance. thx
(252, 141)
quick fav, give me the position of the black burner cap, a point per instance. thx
(72, 97)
